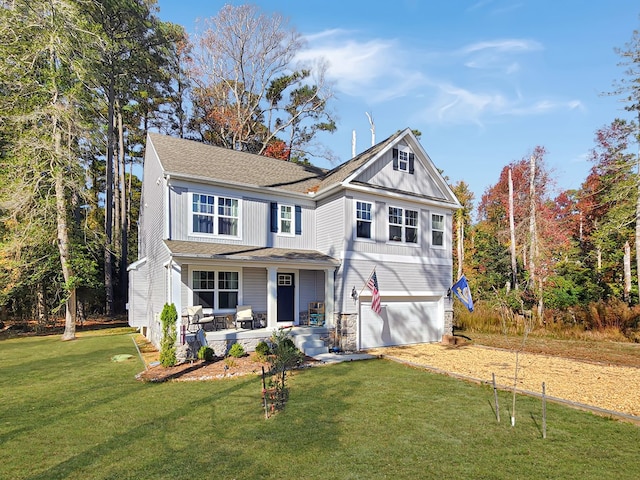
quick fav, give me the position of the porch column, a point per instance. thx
(272, 298)
(329, 297)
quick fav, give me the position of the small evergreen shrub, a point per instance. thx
(168, 319)
(236, 350)
(205, 353)
(262, 350)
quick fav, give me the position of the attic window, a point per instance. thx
(403, 160)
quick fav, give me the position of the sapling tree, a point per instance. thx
(168, 319)
(285, 355)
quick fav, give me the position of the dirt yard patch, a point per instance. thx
(602, 385)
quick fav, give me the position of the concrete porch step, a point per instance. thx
(310, 344)
(313, 351)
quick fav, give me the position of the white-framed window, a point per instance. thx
(285, 280)
(437, 230)
(403, 160)
(215, 215)
(364, 219)
(286, 220)
(403, 225)
(217, 290)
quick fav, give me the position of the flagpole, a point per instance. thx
(367, 281)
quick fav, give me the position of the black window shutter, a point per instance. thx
(298, 220)
(274, 217)
(395, 159)
(411, 160)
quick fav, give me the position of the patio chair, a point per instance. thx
(244, 316)
(196, 320)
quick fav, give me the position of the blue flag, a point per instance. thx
(461, 289)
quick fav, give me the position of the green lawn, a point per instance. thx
(67, 411)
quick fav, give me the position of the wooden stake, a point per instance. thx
(544, 411)
(495, 397)
(264, 396)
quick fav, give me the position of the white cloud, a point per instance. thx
(379, 70)
(374, 69)
(504, 45)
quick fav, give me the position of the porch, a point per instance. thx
(311, 340)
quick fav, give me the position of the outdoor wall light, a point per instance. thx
(354, 294)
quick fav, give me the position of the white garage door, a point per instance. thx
(402, 321)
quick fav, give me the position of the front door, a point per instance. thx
(286, 301)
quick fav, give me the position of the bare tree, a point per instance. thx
(512, 230)
(247, 91)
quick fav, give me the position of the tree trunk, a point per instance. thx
(512, 230)
(108, 207)
(532, 221)
(627, 272)
(123, 226)
(65, 257)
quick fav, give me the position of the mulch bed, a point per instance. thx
(200, 370)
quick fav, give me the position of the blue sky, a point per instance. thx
(485, 81)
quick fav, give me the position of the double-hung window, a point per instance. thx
(363, 219)
(403, 160)
(403, 225)
(286, 219)
(215, 215)
(437, 230)
(215, 290)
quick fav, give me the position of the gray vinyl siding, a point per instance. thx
(137, 301)
(311, 288)
(382, 174)
(152, 226)
(254, 288)
(331, 225)
(186, 297)
(254, 219)
(400, 278)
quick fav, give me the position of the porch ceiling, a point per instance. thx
(246, 253)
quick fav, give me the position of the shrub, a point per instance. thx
(285, 354)
(262, 350)
(205, 353)
(236, 350)
(168, 319)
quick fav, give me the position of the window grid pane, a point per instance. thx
(363, 211)
(403, 160)
(285, 218)
(437, 230)
(363, 219)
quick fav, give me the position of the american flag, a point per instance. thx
(372, 284)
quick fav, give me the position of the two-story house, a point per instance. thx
(221, 228)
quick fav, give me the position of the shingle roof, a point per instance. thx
(219, 251)
(188, 157)
(342, 172)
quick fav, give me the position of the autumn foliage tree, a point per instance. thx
(247, 92)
